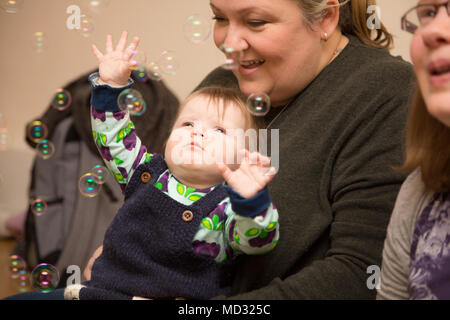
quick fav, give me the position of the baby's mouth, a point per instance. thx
(250, 64)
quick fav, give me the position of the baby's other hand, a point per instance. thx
(253, 174)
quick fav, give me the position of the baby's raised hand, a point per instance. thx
(114, 64)
(253, 174)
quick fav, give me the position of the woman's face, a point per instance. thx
(430, 53)
(281, 54)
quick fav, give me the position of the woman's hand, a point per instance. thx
(253, 174)
(114, 65)
(88, 269)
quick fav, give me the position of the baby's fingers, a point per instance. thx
(131, 50)
(225, 171)
(97, 52)
(122, 42)
(109, 45)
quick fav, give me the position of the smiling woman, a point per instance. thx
(339, 102)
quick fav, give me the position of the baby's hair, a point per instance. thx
(227, 96)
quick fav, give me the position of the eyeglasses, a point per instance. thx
(421, 15)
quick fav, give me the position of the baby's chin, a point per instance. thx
(191, 173)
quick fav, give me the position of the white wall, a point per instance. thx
(29, 80)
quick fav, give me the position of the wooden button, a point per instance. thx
(187, 216)
(145, 177)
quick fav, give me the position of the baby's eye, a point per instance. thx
(188, 124)
(221, 130)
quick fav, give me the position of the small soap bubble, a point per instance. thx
(131, 100)
(23, 281)
(232, 57)
(2, 121)
(87, 25)
(38, 207)
(138, 59)
(39, 41)
(44, 278)
(45, 149)
(101, 173)
(140, 74)
(37, 131)
(5, 139)
(62, 100)
(96, 5)
(197, 28)
(168, 63)
(258, 104)
(16, 265)
(142, 111)
(89, 185)
(11, 6)
(153, 71)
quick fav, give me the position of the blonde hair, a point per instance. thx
(427, 147)
(353, 20)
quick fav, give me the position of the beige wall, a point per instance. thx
(29, 80)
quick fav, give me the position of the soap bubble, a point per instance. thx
(96, 5)
(39, 41)
(258, 104)
(38, 207)
(232, 57)
(138, 59)
(101, 172)
(37, 131)
(141, 112)
(11, 6)
(62, 100)
(89, 185)
(45, 149)
(2, 121)
(197, 28)
(5, 139)
(23, 281)
(168, 63)
(140, 74)
(153, 71)
(16, 265)
(87, 25)
(131, 100)
(44, 277)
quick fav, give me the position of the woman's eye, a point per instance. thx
(256, 23)
(218, 19)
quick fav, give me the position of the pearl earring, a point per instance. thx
(325, 36)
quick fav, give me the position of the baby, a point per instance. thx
(188, 215)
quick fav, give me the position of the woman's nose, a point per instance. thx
(235, 39)
(437, 33)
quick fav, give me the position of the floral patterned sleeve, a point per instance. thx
(224, 232)
(255, 233)
(115, 134)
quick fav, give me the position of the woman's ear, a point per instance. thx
(329, 20)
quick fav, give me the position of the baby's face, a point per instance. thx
(203, 135)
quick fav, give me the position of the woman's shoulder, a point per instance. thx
(377, 65)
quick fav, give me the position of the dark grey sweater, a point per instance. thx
(335, 188)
